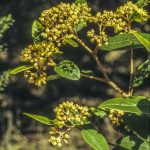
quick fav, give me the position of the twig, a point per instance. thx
(131, 73)
(101, 68)
(93, 78)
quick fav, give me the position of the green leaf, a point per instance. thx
(20, 69)
(4, 80)
(145, 66)
(79, 26)
(41, 119)
(124, 42)
(98, 112)
(80, 1)
(142, 73)
(144, 146)
(53, 77)
(136, 16)
(87, 72)
(141, 3)
(138, 124)
(72, 43)
(37, 30)
(137, 104)
(67, 69)
(143, 40)
(132, 143)
(80, 123)
(94, 139)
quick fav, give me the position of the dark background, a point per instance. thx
(20, 133)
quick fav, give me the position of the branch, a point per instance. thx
(113, 85)
(93, 78)
(131, 73)
(83, 44)
(100, 66)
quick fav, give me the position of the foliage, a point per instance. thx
(4, 79)
(138, 104)
(41, 119)
(59, 26)
(132, 142)
(142, 73)
(143, 40)
(5, 23)
(68, 70)
(124, 42)
(95, 140)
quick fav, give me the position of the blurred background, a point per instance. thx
(20, 133)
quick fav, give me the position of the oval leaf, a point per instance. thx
(144, 146)
(20, 69)
(41, 119)
(143, 40)
(37, 29)
(124, 42)
(80, 1)
(53, 77)
(68, 70)
(142, 3)
(94, 139)
(142, 73)
(132, 143)
(79, 26)
(138, 104)
(98, 112)
(72, 43)
(138, 124)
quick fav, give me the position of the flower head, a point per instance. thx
(41, 56)
(115, 117)
(59, 22)
(38, 78)
(129, 10)
(68, 115)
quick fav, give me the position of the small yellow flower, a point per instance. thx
(60, 21)
(129, 9)
(115, 117)
(41, 56)
(35, 77)
(68, 115)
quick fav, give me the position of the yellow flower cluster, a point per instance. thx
(120, 20)
(108, 19)
(130, 9)
(59, 22)
(41, 56)
(59, 135)
(38, 78)
(98, 39)
(68, 115)
(68, 112)
(115, 117)
(104, 20)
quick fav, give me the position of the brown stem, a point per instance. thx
(131, 73)
(113, 85)
(100, 66)
(119, 90)
(93, 78)
(108, 81)
(83, 44)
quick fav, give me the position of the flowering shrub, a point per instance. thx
(59, 26)
(5, 23)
